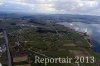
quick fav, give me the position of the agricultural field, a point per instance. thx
(48, 43)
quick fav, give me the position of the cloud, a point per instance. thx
(55, 6)
(1, 2)
(74, 6)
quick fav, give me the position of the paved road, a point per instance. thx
(7, 47)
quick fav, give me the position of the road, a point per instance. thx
(7, 48)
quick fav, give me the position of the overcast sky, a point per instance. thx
(85, 7)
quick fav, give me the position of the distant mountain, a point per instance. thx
(12, 15)
(54, 17)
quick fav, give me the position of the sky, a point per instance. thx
(83, 7)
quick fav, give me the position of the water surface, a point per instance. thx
(93, 30)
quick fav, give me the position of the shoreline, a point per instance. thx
(86, 37)
(84, 34)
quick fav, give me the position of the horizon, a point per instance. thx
(22, 13)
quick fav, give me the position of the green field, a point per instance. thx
(51, 44)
